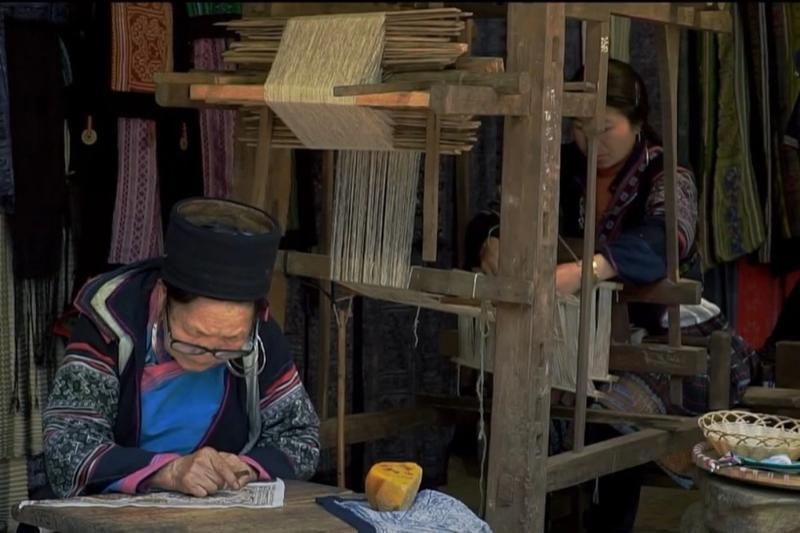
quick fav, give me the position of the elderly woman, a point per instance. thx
(631, 247)
(175, 376)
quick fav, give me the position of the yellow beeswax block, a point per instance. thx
(393, 486)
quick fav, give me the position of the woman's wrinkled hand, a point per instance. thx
(238, 466)
(200, 474)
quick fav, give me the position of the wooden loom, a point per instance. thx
(533, 97)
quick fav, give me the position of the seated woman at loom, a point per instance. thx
(631, 239)
(175, 376)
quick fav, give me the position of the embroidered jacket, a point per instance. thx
(631, 232)
(92, 425)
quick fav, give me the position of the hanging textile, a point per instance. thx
(136, 231)
(216, 126)
(785, 35)
(737, 218)
(36, 100)
(200, 9)
(620, 39)
(54, 12)
(141, 44)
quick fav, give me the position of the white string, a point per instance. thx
(474, 284)
(373, 217)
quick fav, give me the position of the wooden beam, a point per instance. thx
(662, 12)
(572, 468)
(173, 88)
(579, 86)
(771, 397)
(518, 448)
(443, 98)
(683, 292)
(430, 203)
(365, 427)
(487, 65)
(502, 83)
(593, 416)
(475, 286)
(455, 283)
(466, 100)
(659, 358)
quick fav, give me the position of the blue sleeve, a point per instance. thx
(639, 254)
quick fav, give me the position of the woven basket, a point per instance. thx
(753, 435)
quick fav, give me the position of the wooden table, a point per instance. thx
(299, 513)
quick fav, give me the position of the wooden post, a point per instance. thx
(430, 213)
(462, 184)
(518, 448)
(462, 177)
(719, 390)
(669, 40)
(342, 319)
(596, 73)
(326, 287)
(271, 190)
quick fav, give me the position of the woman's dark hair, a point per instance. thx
(174, 294)
(625, 91)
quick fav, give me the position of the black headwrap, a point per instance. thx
(220, 249)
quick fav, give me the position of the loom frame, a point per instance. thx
(520, 473)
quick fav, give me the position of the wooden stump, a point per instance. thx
(744, 508)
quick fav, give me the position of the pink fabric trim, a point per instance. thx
(155, 375)
(130, 483)
(262, 474)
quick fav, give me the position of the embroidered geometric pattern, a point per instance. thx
(284, 425)
(141, 44)
(137, 232)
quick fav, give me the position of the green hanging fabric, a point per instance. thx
(620, 38)
(738, 220)
(202, 9)
(787, 30)
(707, 83)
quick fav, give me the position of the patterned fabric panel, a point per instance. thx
(286, 418)
(141, 44)
(137, 232)
(216, 126)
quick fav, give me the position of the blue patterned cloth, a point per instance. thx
(432, 512)
(54, 12)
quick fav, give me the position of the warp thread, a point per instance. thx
(317, 54)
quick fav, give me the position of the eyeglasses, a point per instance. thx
(187, 348)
